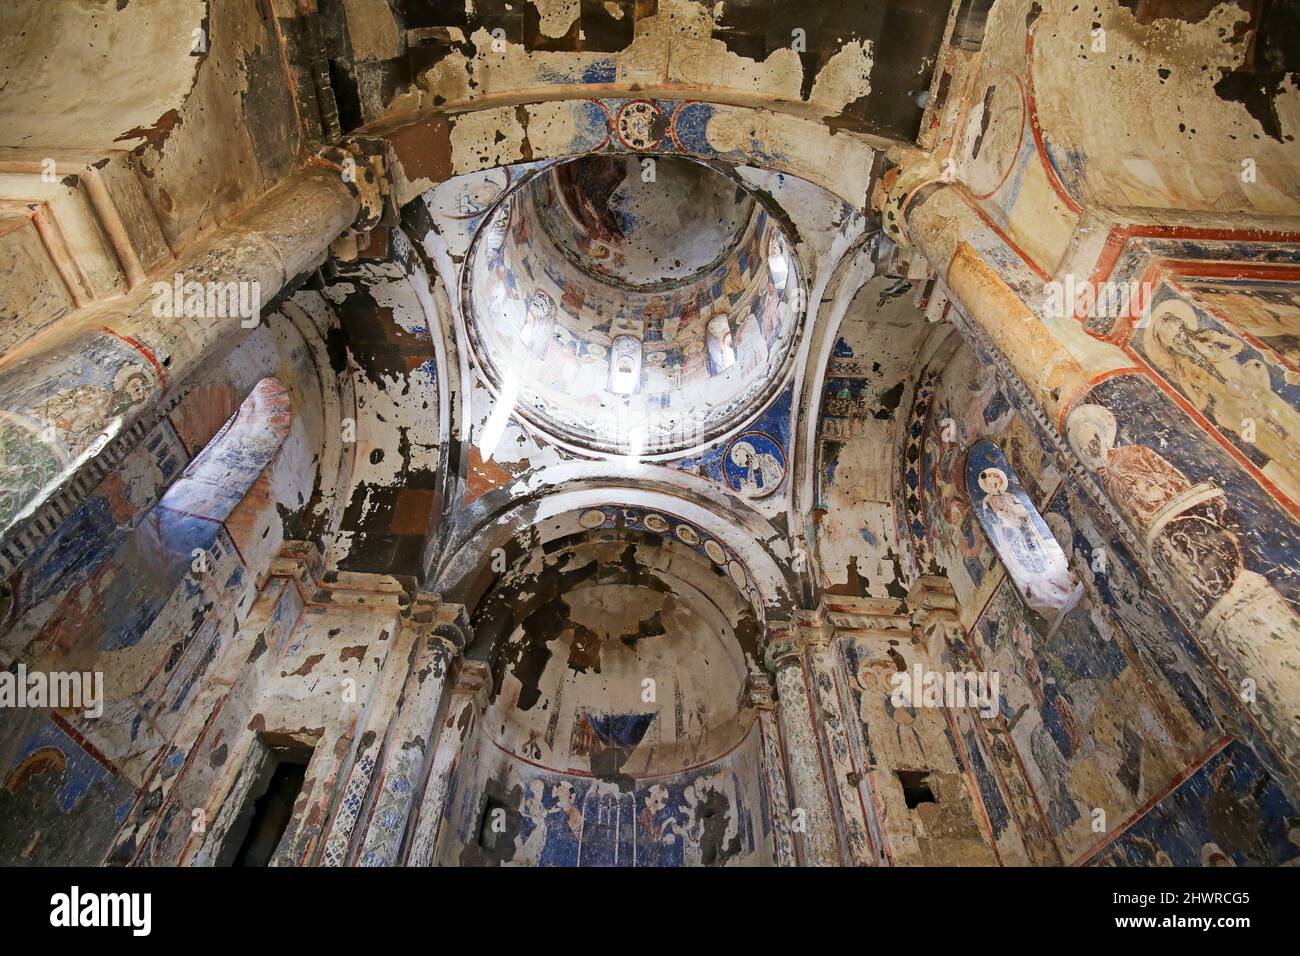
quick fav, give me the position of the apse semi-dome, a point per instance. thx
(631, 305)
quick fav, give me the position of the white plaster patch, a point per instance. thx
(486, 138)
(557, 16)
(845, 77)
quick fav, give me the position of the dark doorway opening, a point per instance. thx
(268, 807)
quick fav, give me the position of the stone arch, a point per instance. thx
(463, 574)
(432, 146)
(389, 344)
(621, 642)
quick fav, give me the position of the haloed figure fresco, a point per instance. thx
(1019, 534)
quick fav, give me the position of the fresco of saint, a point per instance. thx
(1008, 518)
(77, 414)
(760, 471)
(1181, 522)
(1136, 478)
(536, 333)
(1020, 536)
(751, 346)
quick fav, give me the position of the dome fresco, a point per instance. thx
(650, 433)
(627, 338)
(641, 222)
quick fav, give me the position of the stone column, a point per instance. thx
(142, 347)
(440, 638)
(1025, 840)
(763, 701)
(1187, 545)
(823, 663)
(468, 698)
(812, 819)
(372, 734)
(1004, 299)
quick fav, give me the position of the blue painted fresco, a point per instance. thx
(1232, 811)
(695, 819)
(59, 802)
(773, 424)
(1267, 537)
(1018, 533)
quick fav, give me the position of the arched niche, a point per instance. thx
(617, 731)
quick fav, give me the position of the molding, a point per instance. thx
(96, 225)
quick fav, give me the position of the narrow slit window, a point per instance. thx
(494, 834)
(187, 519)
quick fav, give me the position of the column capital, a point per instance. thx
(935, 613)
(818, 635)
(363, 165)
(932, 597)
(895, 191)
(473, 680)
(435, 620)
(788, 638)
(783, 648)
(760, 692)
(814, 625)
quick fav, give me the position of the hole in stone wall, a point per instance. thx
(268, 807)
(346, 95)
(494, 827)
(916, 790)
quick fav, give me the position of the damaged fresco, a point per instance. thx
(708, 816)
(649, 433)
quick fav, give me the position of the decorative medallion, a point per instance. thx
(656, 523)
(640, 125)
(688, 534)
(754, 464)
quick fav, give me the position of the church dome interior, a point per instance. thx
(650, 433)
(633, 305)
